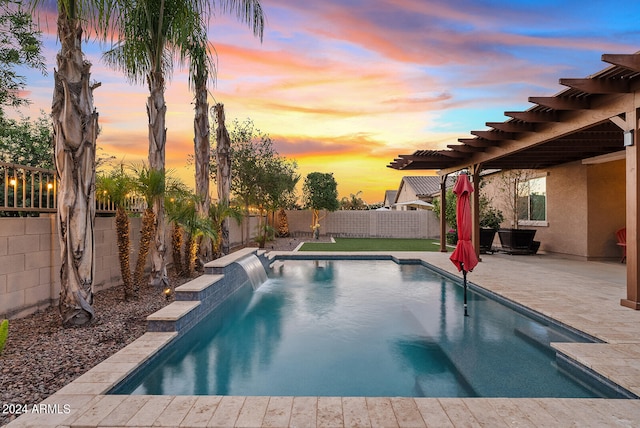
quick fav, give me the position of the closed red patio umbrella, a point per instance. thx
(464, 256)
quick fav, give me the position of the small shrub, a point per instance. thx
(452, 237)
(490, 218)
(4, 333)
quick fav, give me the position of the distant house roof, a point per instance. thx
(389, 197)
(424, 185)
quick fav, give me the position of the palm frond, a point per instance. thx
(149, 182)
(115, 186)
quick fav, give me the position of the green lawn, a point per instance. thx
(373, 244)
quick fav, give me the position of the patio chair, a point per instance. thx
(621, 236)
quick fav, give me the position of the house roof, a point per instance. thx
(577, 123)
(424, 185)
(390, 195)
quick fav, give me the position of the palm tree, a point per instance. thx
(75, 130)
(116, 188)
(222, 173)
(150, 183)
(154, 33)
(195, 225)
(176, 235)
(202, 69)
(219, 213)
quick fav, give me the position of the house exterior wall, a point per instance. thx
(585, 206)
(406, 194)
(567, 214)
(607, 208)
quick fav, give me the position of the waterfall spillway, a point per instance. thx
(254, 269)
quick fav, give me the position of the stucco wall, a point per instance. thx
(607, 210)
(567, 212)
(585, 206)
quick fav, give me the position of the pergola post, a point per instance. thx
(632, 219)
(443, 210)
(475, 208)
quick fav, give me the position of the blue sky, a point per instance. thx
(345, 86)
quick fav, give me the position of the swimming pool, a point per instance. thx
(362, 328)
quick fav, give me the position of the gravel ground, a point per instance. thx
(40, 356)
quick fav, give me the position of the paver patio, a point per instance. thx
(583, 295)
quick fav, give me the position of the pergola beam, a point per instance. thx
(463, 148)
(476, 142)
(533, 116)
(630, 62)
(512, 126)
(561, 103)
(494, 135)
(598, 86)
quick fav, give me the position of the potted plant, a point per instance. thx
(513, 183)
(490, 220)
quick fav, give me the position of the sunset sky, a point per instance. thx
(345, 86)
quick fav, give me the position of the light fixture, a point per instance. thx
(167, 293)
(49, 186)
(628, 138)
(13, 182)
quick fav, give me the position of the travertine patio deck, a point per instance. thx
(583, 295)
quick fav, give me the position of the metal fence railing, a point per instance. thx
(27, 189)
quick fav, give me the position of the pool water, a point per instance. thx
(362, 328)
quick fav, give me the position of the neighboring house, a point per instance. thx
(389, 198)
(582, 148)
(417, 192)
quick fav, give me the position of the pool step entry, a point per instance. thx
(543, 336)
(197, 298)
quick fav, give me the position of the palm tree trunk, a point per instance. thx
(193, 255)
(122, 236)
(190, 255)
(156, 112)
(176, 241)
(146, 237)
(202, 153)
(75, 130)
(223, 161)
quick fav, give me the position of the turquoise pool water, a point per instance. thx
(362, 328)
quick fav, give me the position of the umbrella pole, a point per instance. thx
(464, 280)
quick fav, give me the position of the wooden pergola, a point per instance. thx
(593, 117)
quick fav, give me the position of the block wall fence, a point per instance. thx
(30, 253)
(372, 224)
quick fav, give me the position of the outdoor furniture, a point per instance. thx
(518, 241)
(621, 236)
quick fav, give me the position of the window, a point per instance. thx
(532, 202)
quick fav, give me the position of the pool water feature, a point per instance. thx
(362, 328)
(254, 270)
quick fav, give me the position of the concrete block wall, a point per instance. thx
(30, 261)
(26, 265)
(374, 224)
